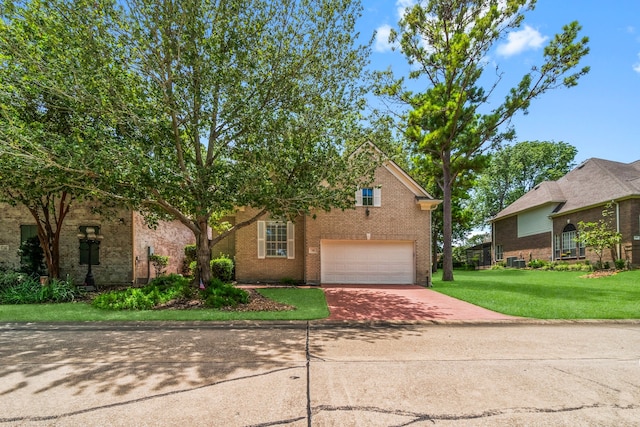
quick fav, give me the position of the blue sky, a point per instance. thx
(600, 116)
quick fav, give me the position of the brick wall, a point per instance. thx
(540, 246)
(399, 218)
(537, 246)
(250, 269)
(169, 239)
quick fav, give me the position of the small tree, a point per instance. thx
(160, 263)
(600, 235)
(31, 256)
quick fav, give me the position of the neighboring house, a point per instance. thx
(385, 239)
(543, 223)
(122, 256)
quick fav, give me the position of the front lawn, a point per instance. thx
(547, 294)
(310, 304)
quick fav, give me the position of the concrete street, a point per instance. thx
(320, 374)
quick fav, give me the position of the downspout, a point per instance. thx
(618, 246)
(430, 251)
(134, 257)
(493, 243)
(552, 256)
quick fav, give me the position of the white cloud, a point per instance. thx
(636, 66)
(403, 5)
(381, 43)
(519, 41)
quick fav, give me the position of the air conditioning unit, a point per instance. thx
(511, 261)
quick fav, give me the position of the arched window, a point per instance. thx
(567, 245)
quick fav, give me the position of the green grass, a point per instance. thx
(310, 304)
(547, 294)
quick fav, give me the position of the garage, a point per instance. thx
(367, 262)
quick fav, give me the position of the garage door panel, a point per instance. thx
(367, 262)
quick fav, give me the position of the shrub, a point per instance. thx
(189, 261)
(607, 265)
(193, 266)
(220, 294)
(537, 263)
(25, 291)
(620, 263)
(10, 278)
(158, 291)
(159, 262)
(222, 268)
(28, 290)
(59, 291)
(498, 266)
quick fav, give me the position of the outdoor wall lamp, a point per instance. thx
(90, 238)
(367, 212)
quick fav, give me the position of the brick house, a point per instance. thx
(122, 256)
(385, 239)
(543, 223)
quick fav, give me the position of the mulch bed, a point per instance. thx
(599, 273)
(257, 302)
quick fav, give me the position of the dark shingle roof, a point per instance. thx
(594, 182)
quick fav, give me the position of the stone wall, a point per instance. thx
(118, 256)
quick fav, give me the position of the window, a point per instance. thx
(27, 232)
(369, 197)
(499, 252)
(84, 247)
(570, 246)
(557, 246)
(276, 240)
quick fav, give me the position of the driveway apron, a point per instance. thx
(400, 303)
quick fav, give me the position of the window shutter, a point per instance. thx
(359, 197)
(262, 235)
(291, 241)
(377, 196)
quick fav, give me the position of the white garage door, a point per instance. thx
(367, 262)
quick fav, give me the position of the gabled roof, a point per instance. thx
(423, 198)
(592, 183)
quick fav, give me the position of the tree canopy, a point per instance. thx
(193, 108)
(513, 170)
(454, 120)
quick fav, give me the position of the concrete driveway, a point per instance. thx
(401, 303)
(319, 374)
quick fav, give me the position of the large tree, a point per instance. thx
(32, 110)
(197, 107)
(514, 170)
(454, 119)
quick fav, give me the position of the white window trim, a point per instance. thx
(377, 197)
(262, 240)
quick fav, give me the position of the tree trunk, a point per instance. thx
(447, 228)
(203, 252)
